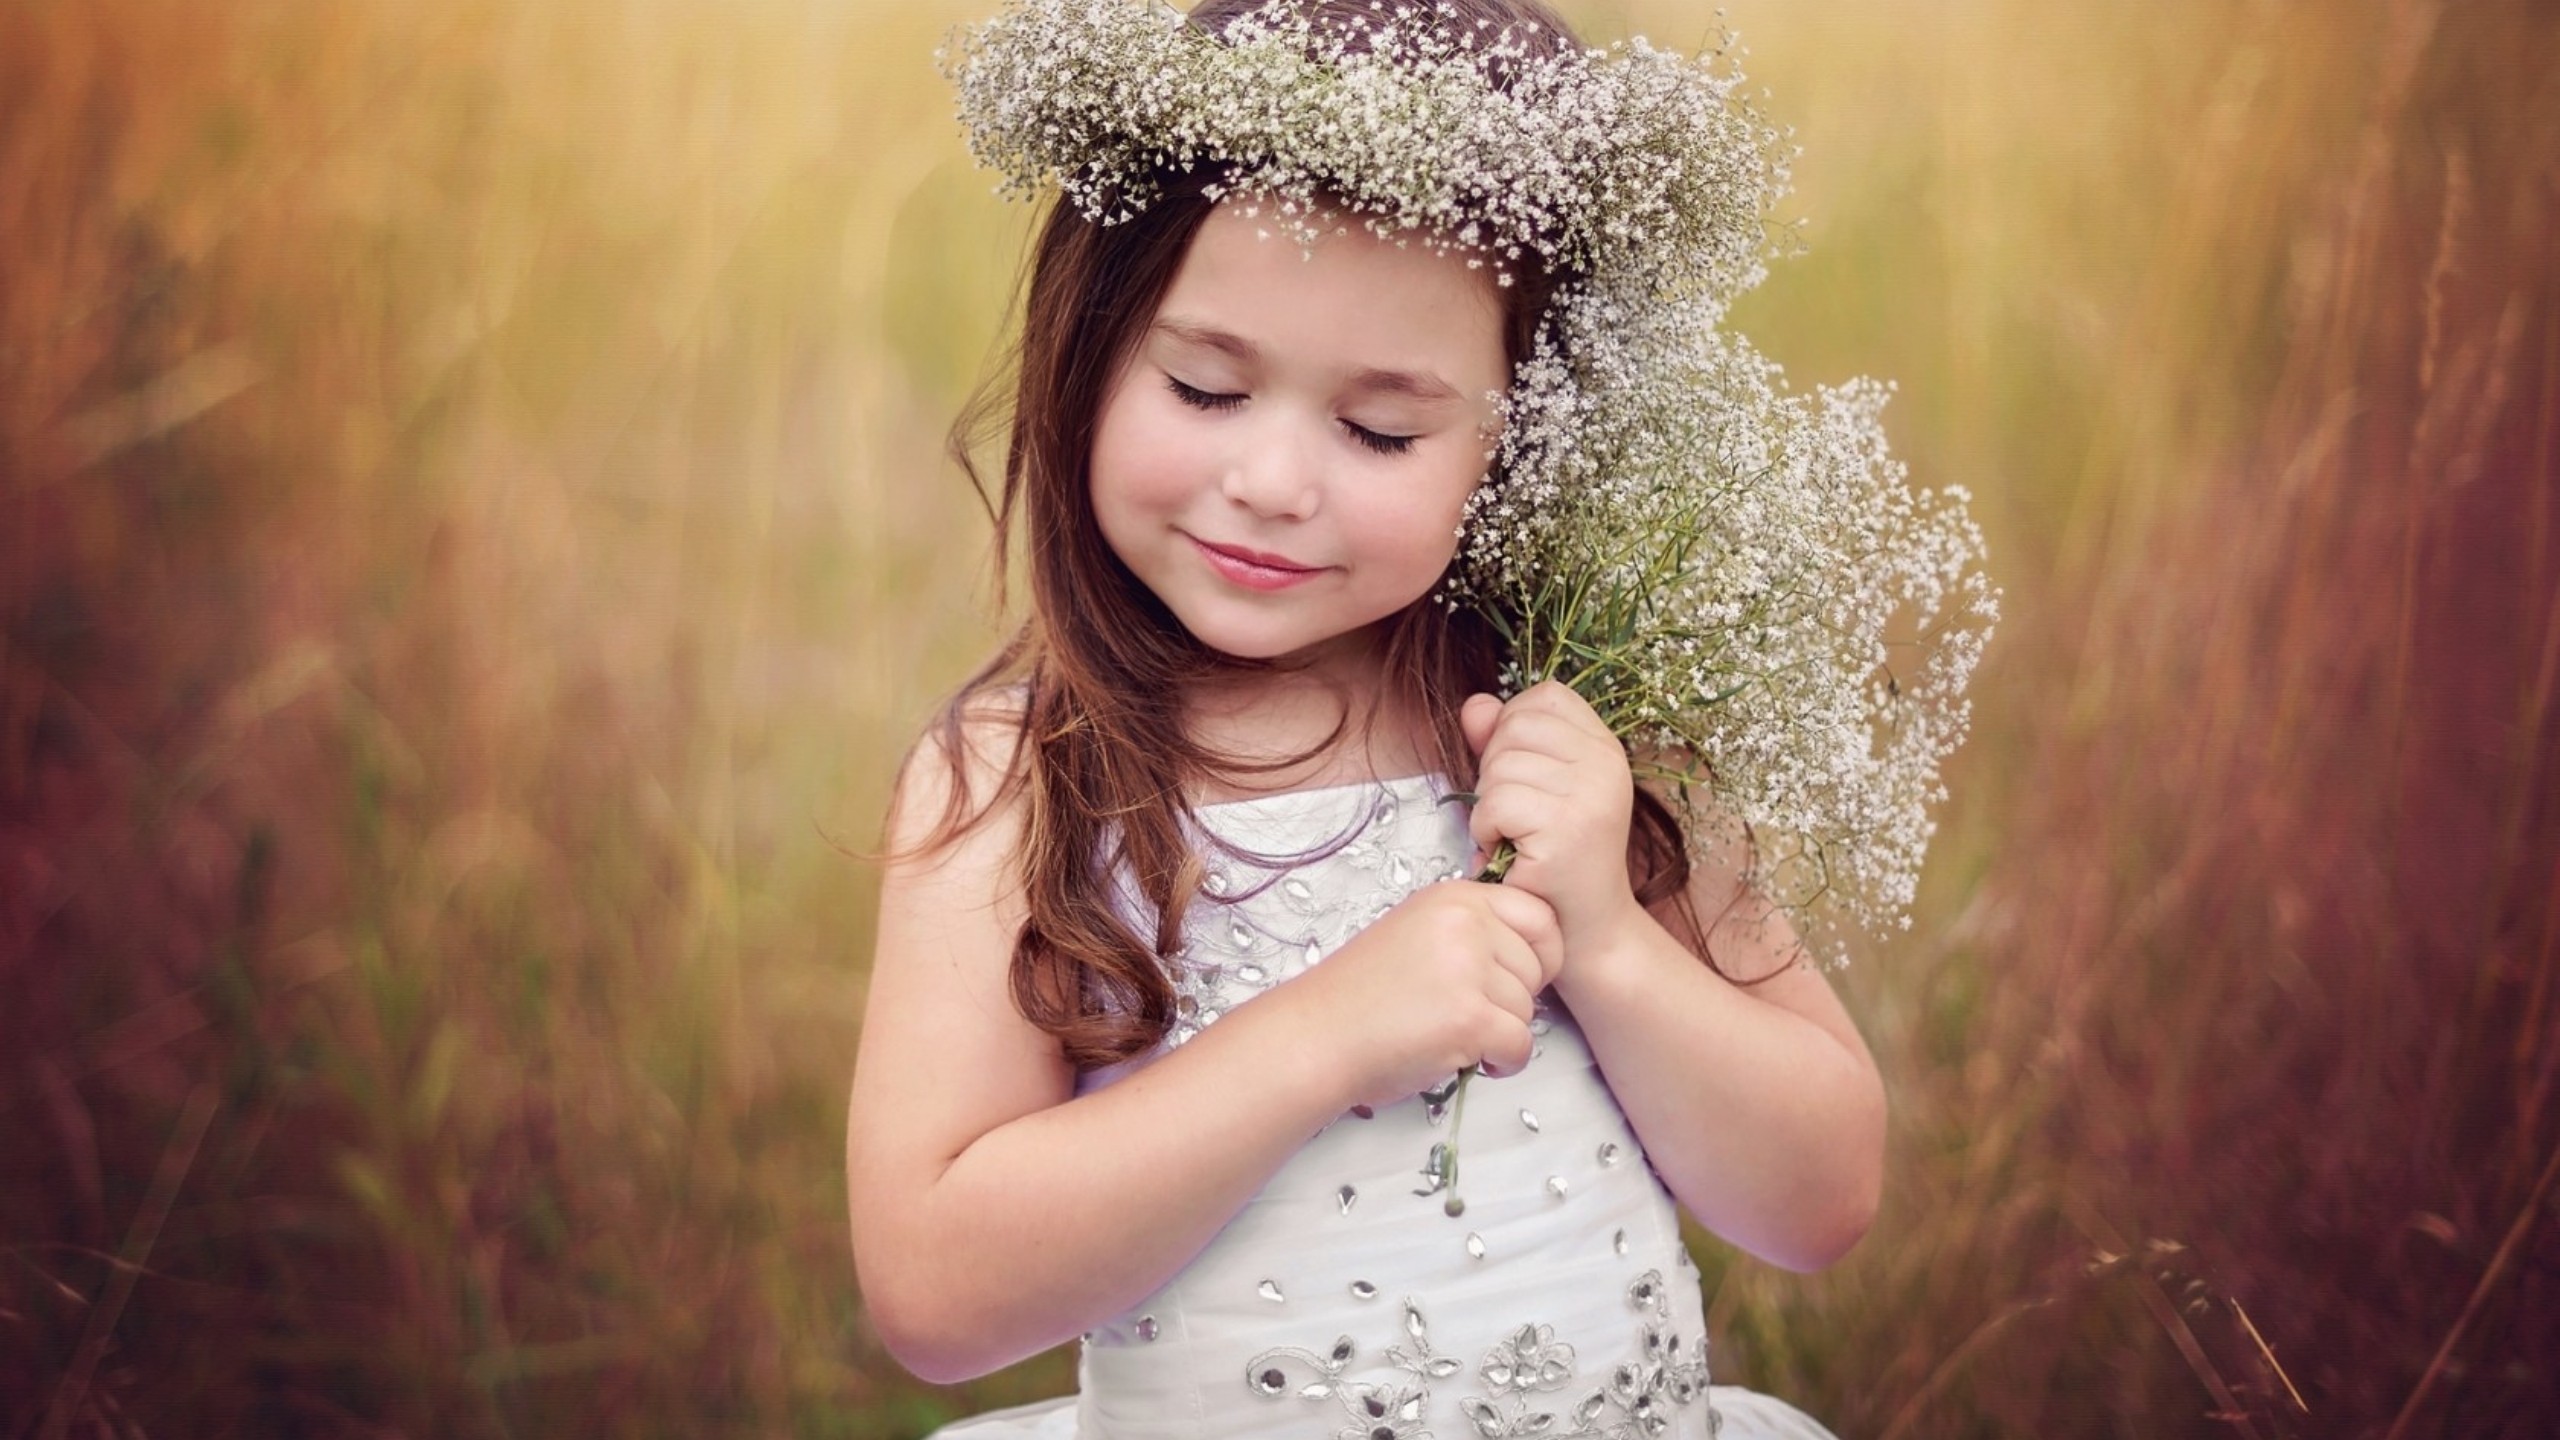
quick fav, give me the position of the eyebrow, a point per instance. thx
(1412, 384)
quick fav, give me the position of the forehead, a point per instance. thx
(1352, 299)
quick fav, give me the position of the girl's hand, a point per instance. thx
(1447, 979)
(1553, 781)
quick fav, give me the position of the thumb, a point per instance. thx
(1476, 719)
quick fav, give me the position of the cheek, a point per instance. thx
(1442, 504)
(1422, 519)
(1126, 470)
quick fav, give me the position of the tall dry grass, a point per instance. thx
(2225, 1078)
(472, 535)
(470, 518)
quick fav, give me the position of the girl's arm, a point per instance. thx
(1758, 1105)
(995, 1213)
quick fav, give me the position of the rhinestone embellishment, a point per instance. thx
(1435, 1101)
(1507, 1396)
(1435, 1170)
(1261, 917)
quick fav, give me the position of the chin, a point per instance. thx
(1238, 638)
(1290, 641)
(1299, 653)
(1250, 649)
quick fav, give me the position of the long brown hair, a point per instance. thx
(1091, 687)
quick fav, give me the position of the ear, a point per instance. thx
(1476, 718)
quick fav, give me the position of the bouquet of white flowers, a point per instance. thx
(1743, 585)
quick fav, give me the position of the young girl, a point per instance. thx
(1177, 959)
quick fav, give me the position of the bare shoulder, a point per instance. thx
(951, 903)
(959, 777)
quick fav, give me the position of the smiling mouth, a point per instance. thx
(1254, 569)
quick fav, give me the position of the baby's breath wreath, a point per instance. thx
(1737, 578)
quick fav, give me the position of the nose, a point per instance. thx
(1275, 473)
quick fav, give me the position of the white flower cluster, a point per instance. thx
(1739, 579)
(1628, 160)
(1744, 585)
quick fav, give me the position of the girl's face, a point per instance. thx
(1286, 454)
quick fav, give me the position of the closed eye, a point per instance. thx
(1368, 439)
(1383, 444)
(1200, 399)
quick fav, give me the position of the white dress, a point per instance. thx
(1344, 1302)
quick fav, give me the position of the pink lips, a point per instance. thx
(1254, 569)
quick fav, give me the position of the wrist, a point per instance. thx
(1605, 959)
(1297, 1048)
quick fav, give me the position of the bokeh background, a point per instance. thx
(475, 538)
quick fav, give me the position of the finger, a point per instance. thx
(1507, 1043)
(1534, 770)
(1554, 697)
(1495, 819)
(1517, 813)
(1552, 732)
(1514, 985)
(1515, 966)
(1534, 921)
(1476, 719)
(1506, 918)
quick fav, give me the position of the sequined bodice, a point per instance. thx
(1344, 1302)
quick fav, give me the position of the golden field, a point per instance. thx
(475, 539)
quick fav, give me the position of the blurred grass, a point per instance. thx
(474, 538)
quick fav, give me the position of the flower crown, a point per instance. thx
(1597, 162)
(1736, 577)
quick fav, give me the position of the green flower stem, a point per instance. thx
(1496, 865)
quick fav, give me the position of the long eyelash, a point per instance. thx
(1383, 444)
(1200, 399)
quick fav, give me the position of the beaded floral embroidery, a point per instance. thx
(1261, 919)
(1512, 1382)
